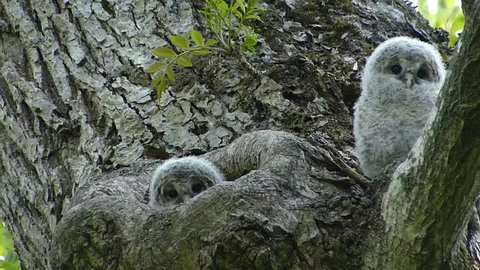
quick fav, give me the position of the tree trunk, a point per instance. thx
(80, 134)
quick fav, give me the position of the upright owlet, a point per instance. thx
(179, 179)
(400, 84)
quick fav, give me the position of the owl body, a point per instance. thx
(400, 85)
(179, 179)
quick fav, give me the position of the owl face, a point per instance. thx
(180, 179)
(403, 70)
(410, 71)
(177, 189)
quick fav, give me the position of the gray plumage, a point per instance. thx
(400, 84)
(179, 179)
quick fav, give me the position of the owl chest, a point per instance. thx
(405, 111)
(405, 123)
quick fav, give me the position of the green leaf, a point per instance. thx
(164, 52)
(155, 67)
(253, 17)
(222, 8)
(184, 61)
(218, 23)
(170, 74)
(206, 14)
(221, 5)
(457, 26)
(201, 52)
(254, 11)
(250, 41)
(238, 14)
(162, 87)
(250, 49)
(10, 259)
(239, 4)
(252, 3)
(210, 23)
(180, 42)
(9, 265)
(211, 42)
(197, 37)
(155, 82)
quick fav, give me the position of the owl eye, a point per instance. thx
(172, 194)
(197, 188)
(422, 73)
(396, 69)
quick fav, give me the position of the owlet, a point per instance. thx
(400, 84)
(179, 179)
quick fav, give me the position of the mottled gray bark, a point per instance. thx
(276, 210)
(80, 134)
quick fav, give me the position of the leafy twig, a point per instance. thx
(225, 21)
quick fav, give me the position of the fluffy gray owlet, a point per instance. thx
(400, 84)
(179, 179)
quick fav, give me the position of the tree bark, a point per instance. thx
(80, 134)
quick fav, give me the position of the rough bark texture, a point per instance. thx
(271, 216)
(75, 108)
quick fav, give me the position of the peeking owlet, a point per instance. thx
(400, 84)
(179, 179)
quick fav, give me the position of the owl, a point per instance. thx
(179, 179)
(400, 85)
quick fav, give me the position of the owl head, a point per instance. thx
(178, 180)
(403, 69)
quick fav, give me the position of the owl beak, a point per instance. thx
(185, 198)
(408, 79)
